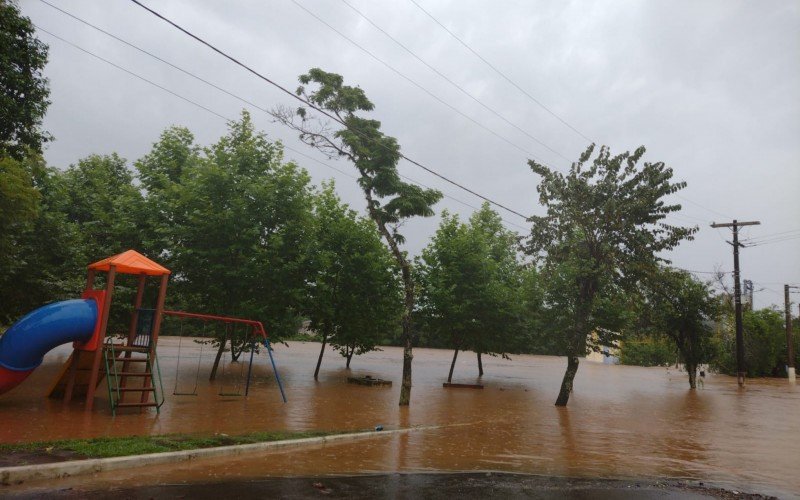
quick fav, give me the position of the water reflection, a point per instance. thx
(621, 421)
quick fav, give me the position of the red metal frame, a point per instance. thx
(257, 326)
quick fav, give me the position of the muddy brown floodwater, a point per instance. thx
(621, 422)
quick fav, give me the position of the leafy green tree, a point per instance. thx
(234, 223)
(603, 229)
(19, 207)
(24, 90)
(472, 282)
(43, 259)
(764, 344)
(684, 310)
(103, 203)
(375, 156)
(354, 293)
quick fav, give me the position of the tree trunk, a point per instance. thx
(321, 352)
(452, 365)
(566, 383)
(350, 353)
(480, 365)
(234, 354)
(216, 360)
(692, 369)
(408, 286)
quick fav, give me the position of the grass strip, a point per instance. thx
(104, 447)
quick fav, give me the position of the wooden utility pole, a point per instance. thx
(789, 340)
(737, 294)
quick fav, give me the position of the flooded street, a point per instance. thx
(621, 422)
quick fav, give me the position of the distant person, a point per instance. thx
(702, 380)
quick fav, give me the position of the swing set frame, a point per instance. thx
(256, 330)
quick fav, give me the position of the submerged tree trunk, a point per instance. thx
(408, 290)
(452, 365)
(350, 353)
(480, 365)
(234, 353)
(566, 383)
(216, 360)
(692, 369)
(321, 352)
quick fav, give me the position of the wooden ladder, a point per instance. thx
(136, 364)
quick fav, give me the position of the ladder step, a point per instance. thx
(129, 360)
(126, 348)
(133, 374)
(133, 389)
(134, 405)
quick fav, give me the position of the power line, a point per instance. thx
(227, 119)
(415, 83)
(318, 109)
(503, 75)
(454, 84)
(527, 94)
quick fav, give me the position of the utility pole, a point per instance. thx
(737, 294)
(789, 339)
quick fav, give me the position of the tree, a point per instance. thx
(48, 250)
(472, 281)
(375, 156)
(24, 90)
(683, 309)
(354, 293)
(103, 203)
(603, 229)
(764, 344)
(234, 223)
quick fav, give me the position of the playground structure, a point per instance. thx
(96, 356)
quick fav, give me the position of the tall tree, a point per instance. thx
(375, 157)
(24, 90)
(684, 310)
(603, 229)
(354, 292)
(471, 284)
(234, 222)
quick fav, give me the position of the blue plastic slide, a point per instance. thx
(23, 346)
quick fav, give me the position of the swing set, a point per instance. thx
(254, 330)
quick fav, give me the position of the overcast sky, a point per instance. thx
(712, 88)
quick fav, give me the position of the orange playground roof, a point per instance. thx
(130, 262)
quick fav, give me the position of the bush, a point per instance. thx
(648, 351)
(764, 345)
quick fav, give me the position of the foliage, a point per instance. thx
(233, 222)
(603, 229)
(764, 344)
(375, 155)
(46, 261)
(24, 90)
(648, 350)
(354, 293)
(471, 284)
(684, 310)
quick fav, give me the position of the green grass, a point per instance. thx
(137, 445)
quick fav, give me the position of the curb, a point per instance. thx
(23, 473)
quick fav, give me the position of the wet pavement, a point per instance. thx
(429, 486)
(621, 422)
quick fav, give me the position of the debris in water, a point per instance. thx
(368, 380)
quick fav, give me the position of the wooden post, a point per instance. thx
(137, 303)
(162, 295)
(98, 354)
(90, 280)
(789, 340)
(73, 373)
